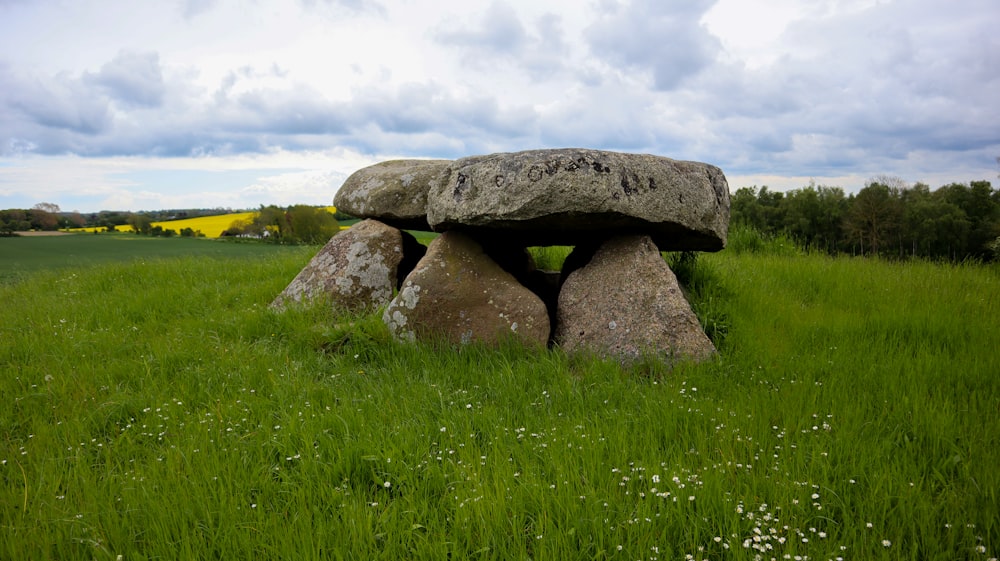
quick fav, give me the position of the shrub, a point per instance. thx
(747, 239)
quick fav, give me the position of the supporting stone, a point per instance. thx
(458, 294)
(625, 303)
(357, 269)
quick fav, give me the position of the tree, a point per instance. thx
(340, 216)
(745, 209)
(979, 203)
(931, 226)
(42, 219)
(813, 216)
(761, 210)
(994, 247)
(802, 212)
(872, 221)
(72, 220)
(140, 223)
(833, 206)
(44, 216)
(47, 207)
(270, 222)
(771, 209)
(14, 220)
(310, 225)
(239, 227)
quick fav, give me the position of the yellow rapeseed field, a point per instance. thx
(211, 226)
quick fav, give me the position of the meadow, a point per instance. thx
(24, 255)
(158, 409)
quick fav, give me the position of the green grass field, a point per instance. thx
(27, 254)
(156, 409)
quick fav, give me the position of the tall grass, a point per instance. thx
(746, 239)
(160, 410)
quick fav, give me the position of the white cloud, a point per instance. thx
(193, 8)
(664, 39)
(132, 79)
(498, 31)
(791, 88)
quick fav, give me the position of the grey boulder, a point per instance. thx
(394, 192)
(458, 294)
(625, 303)
(357, 269)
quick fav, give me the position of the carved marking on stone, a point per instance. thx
(462, 184)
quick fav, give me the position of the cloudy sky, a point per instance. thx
(153, 104)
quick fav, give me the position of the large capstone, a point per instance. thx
(458, 294)
(357, 269)
(572, 196)
(626, 303)
(394, 192)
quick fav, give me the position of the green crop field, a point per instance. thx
(157, 409)
(26, 254)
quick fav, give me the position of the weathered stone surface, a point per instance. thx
(357, 269)
(625, 303)
(572, 196)
(459, 294)
(394, 192)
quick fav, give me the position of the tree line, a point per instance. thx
(48, 217)
(43, 216)
(887, 218)
(296, 224)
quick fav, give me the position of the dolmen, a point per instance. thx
(615, 296)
